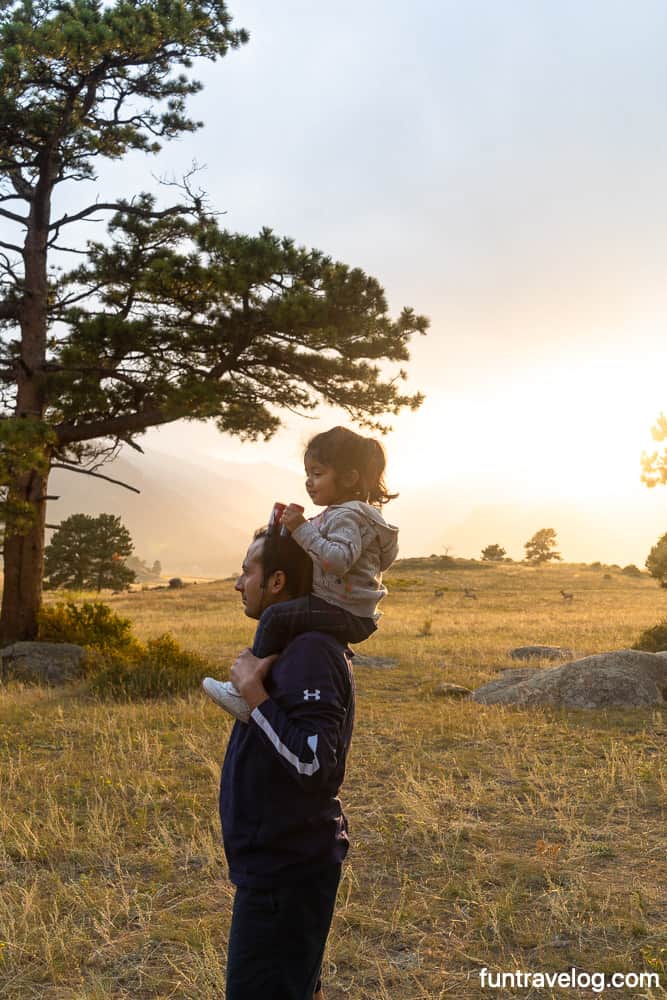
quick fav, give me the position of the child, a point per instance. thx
(349, 543)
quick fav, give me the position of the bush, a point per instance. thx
(155, 670)
(654, 639)
(631, 570)
(117, 665)
(401, 582)
(90, 624)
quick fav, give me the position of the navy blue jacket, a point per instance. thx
(280, 814)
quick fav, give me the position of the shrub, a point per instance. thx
(175, 583)
(117, 665)
(401, 582)
(631, 570)
(160, 668)
(654, 639)
(90, 624)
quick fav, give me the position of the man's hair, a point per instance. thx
(282, 552)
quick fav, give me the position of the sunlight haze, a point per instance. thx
(501, 169)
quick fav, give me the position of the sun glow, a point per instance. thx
(569, 433)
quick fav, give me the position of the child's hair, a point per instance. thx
(346, 451)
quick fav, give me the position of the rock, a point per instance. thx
(377, 662)
(624, 678)
(540, 653)
(446, 690)
(49, 662)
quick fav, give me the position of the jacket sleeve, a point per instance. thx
(304, 720)
(304, 741)
(340, 550)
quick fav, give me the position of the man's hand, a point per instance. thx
(292, 517)
(248, 674)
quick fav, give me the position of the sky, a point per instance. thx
(500, 168)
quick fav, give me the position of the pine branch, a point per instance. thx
(125, 207)
(95, 475)
(126, 423)
(9, 309)
(22, 219)
(11, 246)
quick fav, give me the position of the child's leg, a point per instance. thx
(280, 623)
(277, 627)
(337, 621)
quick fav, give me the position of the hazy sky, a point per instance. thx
(499, 167)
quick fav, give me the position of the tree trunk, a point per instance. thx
(24, 567)
(24, 553)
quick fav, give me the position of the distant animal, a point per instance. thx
(438, 593)
(566, 595)
(470, 593)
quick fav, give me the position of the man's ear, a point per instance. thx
(277, 582)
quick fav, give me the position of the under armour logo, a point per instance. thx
(311, 695)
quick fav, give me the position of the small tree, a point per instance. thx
(542, 546)
(494, 553)
(654, 465)
(87, 553)
(656, 563)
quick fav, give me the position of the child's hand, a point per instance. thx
(293, 517)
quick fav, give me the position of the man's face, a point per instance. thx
(250, 583)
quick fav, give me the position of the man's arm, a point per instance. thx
(248, 674)
(306, 737)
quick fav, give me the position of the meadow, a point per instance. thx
(481, 836)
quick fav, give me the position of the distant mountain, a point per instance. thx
(195, 518)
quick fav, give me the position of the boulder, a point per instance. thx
(625, 678)
(540, 653)
(48, 662)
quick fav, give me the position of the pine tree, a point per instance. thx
(542, 546)
(170, 317)
(656, 561)
(494, 553)
(87, 553)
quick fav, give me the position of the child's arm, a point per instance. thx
(337, 553)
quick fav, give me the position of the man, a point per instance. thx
(284, 830)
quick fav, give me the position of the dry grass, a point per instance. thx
(481, 836)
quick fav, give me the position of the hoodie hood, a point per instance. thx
(387, 533)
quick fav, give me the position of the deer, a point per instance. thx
(567, 596)
(438, 593)
(470, 593)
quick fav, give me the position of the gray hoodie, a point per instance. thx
(351, 545)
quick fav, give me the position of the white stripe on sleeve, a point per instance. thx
(307, 769)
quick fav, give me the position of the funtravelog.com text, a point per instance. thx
(571, 979)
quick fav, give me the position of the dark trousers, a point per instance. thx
(281, 622)
(277, 939)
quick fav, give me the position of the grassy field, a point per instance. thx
(481, 836)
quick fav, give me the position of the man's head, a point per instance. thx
(275, 569)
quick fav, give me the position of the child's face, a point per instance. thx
(321, 484)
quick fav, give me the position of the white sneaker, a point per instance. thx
(224, 694)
